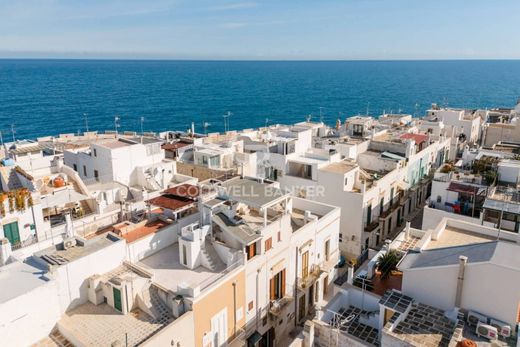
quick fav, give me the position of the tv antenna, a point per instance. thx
(226, 121)
(142, 122)
(13, 132)
(321, 113)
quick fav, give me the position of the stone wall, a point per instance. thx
(202, 172)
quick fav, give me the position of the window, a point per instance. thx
(250, 306)
(96, 175)
(75, 167)
(340, 237)
(251, 250)
(392, 194)
(381, 206)
(279, 236)
(346, 181)
(84, 170)
(307, 171)
(305, 264)
(184, 256)
(95, 152)
(277, 286)
(268, 244)
(369, 214)
(327, 250)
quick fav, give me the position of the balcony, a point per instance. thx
(372, 227)
(278, 307)
(310, 278)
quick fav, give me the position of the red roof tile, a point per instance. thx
(184, 190)
(418, 138)
(170, 202)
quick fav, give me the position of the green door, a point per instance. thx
(117, 300)
(11, 233)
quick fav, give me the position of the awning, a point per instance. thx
(505, 206)
(463, 188)
(61, 198)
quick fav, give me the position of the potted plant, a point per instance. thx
(387, 263)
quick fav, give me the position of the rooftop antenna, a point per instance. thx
(321, 114)
(226, 121)
(13, 132)
(116, 123)
(266, 122)
(368, 108)
(85, 115)
(142, 122)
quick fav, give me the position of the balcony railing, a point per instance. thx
(372, 226)
(310, 278)
(277, 307)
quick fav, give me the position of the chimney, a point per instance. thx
(350, 275)
(460, 280)
(407, 231)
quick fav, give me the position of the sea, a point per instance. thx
(49, 97)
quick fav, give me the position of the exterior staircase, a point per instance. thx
(153, 305)
(210, 258)
(59, 339)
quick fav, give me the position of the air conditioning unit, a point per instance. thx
(474, 318)
(69, 243)
(487, 331)
(504, 329)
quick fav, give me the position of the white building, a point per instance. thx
(291, 248)
(465, 122)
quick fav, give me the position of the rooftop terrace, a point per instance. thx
(60, 255)
(171, 274)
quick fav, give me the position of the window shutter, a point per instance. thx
(271, 289)
(283, 284)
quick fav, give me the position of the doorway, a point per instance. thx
(301, 308)
(117, 300)
(219, 328)
(12, 233)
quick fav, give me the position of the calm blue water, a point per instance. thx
(43, 97)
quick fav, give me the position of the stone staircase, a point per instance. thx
(210, 258)
(153, 305)
(59, 339)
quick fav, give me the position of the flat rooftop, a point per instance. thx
(341, 167)
(245, 233)
(102, 325)
(253, 193)
(58, 255)
(170, 273)
(452, 237)
(134, 234)
(499, 253)
(18, 278)
(424, 326)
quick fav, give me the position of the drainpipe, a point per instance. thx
(460, 280)
(296, 290)
(234, 308)
(257, 298)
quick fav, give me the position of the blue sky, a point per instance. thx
(248, 29)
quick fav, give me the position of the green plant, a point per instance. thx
(387, 263)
